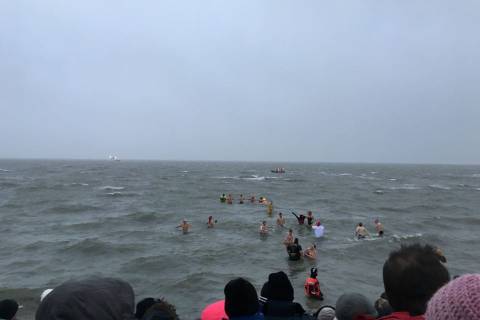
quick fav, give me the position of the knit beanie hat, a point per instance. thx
(457, 300)
(240, 298)
(326, 313)
(352, 306)
(278, 287)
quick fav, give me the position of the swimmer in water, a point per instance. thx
(294, 250)
(211, 223)
(252, 199)
(241, 199)
(300, 219)
(311, 252)
(185, 226)
(230, 199)
(280, 220)
(310, 218)
(361, 232)
(270, 208)
(289, 238)
(318, 229)
(379, 227)
(264, 228)
(223, 198)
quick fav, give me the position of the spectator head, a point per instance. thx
(411, 275)
(326, 313)
(143, 305)
(8, 309)
(457, 300)
(240, 298)
(88, 299)
(354, 306)
(278, 287)
(160, 310)
(383, 306)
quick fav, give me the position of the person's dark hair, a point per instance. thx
(161, 310)
(411, 275)
(240, 298)
(8, 309)
(360, 224)
(295, 241)
(143, 305)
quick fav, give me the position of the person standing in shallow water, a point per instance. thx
(264, 228)
(241, 199)
(310, 218)
(185, 226)
(289, 238)
(280, 220)
(270, 208)
(361, 232)
(379, 227)
(211, 223)
(294, 250)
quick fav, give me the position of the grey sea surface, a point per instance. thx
(69, 219)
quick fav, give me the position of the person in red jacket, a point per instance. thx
(312, 286)
(411, 275)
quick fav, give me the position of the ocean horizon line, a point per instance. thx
(279, 162)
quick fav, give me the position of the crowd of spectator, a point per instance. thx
(417, 286)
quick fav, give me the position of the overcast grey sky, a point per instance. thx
(349, 81)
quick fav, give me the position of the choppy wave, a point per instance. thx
(333, 174)
(76, 207)
(407, 236)
(4, 170)
(111, 188)
(120, 194)
(246, 177)
(476, 175)
(406, 187)
(392, 179)
(78, 184)
(439, 186)
(94, 246)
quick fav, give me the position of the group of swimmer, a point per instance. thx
(361, 232)
(241, 200)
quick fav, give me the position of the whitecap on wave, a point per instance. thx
(407, 236)
(406, 187)
(4, 170)
(112, 188)
(476, 175)
(392, 179)
(439, 186)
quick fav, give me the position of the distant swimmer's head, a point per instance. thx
(295, 241)
(360, 224)
(309, 213)
(210, 218)
(313, 272)
(279, 214)
(318, 223)
(290, 231)
(376, 221)
(264, 222)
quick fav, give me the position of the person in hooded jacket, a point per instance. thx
(277, 296)
(89, 299)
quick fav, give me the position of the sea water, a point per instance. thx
(62, 220)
